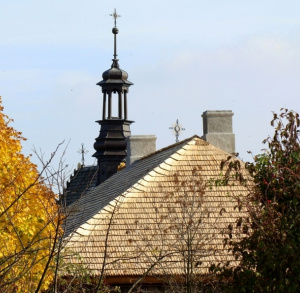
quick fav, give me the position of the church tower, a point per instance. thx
(110, 145)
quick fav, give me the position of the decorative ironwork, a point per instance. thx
(115, 15)
(82, 151)
(177, 129)
(115, 31)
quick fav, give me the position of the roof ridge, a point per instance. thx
(170, 146)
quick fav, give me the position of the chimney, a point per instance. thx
(139, 146)
(217, 129)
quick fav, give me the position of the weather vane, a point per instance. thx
(115, 15)
(82, 151)
(177, 129)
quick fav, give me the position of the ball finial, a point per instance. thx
(115, 30)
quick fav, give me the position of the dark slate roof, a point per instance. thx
(96, 199)
(83, 180)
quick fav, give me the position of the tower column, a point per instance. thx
(109, 105)
(125, 104)
(120, 105)
(104, 107)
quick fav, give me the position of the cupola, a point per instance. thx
(110, 145)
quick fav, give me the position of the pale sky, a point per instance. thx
(184, 57)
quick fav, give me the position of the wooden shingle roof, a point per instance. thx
(154, 213)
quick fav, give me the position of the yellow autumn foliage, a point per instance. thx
(28, 217)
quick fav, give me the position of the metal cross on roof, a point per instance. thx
(82, 151)
(115, 15)
(177, 129)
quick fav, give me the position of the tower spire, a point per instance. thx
(115, 31)
(110, 145)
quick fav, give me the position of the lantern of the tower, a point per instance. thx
(110, 146)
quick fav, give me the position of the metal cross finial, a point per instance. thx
(82, 151)
(115, 16)
(177, 129)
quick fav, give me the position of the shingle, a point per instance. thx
(146, 207)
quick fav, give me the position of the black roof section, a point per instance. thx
(84, 179)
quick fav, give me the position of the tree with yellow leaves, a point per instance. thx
(29, 218)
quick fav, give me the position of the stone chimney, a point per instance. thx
(217, 130)
(139, 146)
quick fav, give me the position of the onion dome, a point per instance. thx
(115, 75)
